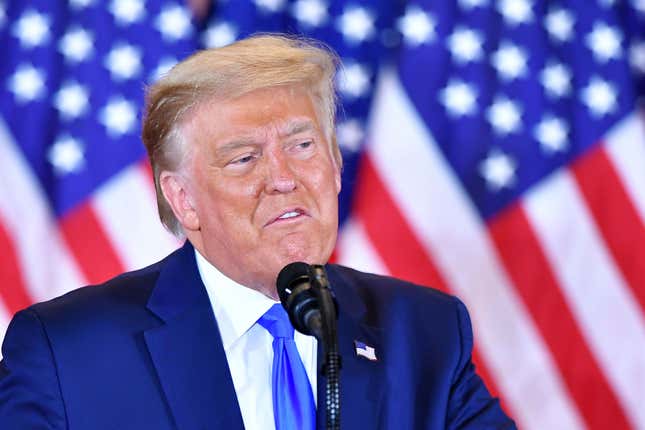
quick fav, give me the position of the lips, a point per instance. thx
(287, 215)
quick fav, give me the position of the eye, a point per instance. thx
(246, 159)
(306, 144)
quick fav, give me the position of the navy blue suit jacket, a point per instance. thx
(143, 351)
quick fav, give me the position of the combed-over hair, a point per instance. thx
(222, 74)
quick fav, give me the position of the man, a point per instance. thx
(246, 167)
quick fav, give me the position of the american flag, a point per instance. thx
(493, 149)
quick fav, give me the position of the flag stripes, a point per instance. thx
(594, 289)
(397, 244)
(429, 199)
(89, 243)
(125, 208)
(16, 297)
(535, 282)
(511, 177)
(625, 148)
(615, 217)
(47, 267)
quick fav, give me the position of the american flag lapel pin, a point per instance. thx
(365, 351)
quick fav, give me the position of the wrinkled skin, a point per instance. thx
(251, 161)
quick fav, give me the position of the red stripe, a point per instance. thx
(146, 168)
(533, 278)
(396, 243)
(389, 231)
(615, 215)
(90, 244)
(13, 289)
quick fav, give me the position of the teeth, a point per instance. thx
(289, 215)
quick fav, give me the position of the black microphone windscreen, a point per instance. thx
(290, 273)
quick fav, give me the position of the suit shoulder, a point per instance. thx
(127, 291)
(388, 287)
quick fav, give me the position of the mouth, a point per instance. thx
(289, 215)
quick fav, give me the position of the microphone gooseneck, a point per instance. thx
(306, 295)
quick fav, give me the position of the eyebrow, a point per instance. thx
(298, 126)
(290, 129)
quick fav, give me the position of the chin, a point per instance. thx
(303, 248)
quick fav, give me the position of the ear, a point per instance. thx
(177, 193)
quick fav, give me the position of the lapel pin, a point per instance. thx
(365, 351)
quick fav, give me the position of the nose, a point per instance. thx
(280, 177)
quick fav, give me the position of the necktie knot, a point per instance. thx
(276, 321)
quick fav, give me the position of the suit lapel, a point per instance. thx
(360, 379)
(187, 350)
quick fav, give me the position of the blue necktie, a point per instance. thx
(293, 401)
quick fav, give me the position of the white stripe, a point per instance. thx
(625, 146)
(47, 265)
(447, 224)
(4, 322)
(595, 291)
(355, 249)
(126, 208)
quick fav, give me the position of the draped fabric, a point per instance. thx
(494, 149)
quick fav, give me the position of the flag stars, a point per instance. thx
(465, 45)
(504, 116)
(559, 24)
(459, 98)
(556, 79)
(471, 4)
(118, 116)
(551, 133)
(350, 134)
(637, 57)
(76, 45)
(356, 23)
(123, 62)
(271, 6)
(219, 34)
(354, 80)
(164, 65)
(80, 4)
(127, 12)
(32, 29)
(3, 15)
(71, 100)
(173, 22)
(599, 96)
(510, 61)
(66, 155)
(515, 12)
(498, 170)
(27, 83)
(604, 41)
(310, 13)
(639, 5)
(417, 26)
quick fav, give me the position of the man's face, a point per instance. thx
(263, 184)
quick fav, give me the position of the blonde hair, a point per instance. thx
(258, 62)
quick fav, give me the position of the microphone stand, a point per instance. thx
(332, 364)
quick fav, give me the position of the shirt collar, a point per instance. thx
(236, 307)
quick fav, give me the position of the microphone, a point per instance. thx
(307, 297)
(299, 300)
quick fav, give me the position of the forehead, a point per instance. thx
(284, 110)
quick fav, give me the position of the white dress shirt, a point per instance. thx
(248, 345)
